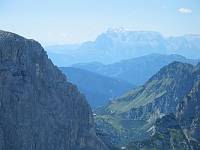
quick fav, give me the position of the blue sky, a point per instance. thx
(74, 21)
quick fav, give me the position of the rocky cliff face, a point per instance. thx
(39, 109)
(189, 113)
(166, 135)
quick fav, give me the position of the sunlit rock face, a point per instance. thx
(39, 109)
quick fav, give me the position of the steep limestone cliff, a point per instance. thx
(39, 109)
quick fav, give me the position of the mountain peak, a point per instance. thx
(116, 30)
(173, 71)
(178, 56)
(128, 32)
(6, 35)
(180, 65)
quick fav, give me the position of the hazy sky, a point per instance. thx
(71, 21)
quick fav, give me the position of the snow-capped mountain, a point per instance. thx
(119, 44)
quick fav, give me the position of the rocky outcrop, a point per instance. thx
(189, 113)
(39, 109)
(166, 135)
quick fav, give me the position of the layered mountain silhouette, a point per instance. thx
(143, 116)
(136, 70)
(39, 108)
(98, 89)
(116, 45)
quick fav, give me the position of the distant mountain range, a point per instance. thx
(115, 45)
(136, 70)
(98, 89)
(161, 114)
